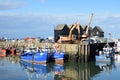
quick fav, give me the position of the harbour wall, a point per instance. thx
(74, 52)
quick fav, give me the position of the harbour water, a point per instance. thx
(11, 68)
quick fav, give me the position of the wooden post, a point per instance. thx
(82, 53)
(86, 53)
(79, 52)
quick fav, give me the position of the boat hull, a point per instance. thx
(38, 57)
(102, 59)
(58, 57)
(3, 53)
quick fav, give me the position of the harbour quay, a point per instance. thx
(82, 52)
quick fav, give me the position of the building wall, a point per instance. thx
(63, 32)
(96, 32)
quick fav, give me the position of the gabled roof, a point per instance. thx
(69, 26)
(98, 28)
(90, 28)
(60, 27)
(84, 26)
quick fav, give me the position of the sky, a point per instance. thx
(38, 18)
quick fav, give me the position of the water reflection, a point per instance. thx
(42, 71)
(105, 66)
(35, 71)
(52, 71)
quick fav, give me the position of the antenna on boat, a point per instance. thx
(109, 37)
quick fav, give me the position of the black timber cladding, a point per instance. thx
(61, 30)
(64, 29)
(97, 31)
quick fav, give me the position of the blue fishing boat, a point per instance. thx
(43, 55)
(34, 55)
(56, 56)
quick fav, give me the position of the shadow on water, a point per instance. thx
(52, 71)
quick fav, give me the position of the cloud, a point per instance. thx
(36, 24)
(11, 4)
(24, 25)
(109, 22)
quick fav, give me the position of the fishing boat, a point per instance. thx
(106, 55)
(58, 56)
(42, 55)
(7, 52)
(2, 52)
(34, 55)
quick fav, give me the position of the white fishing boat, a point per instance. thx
(106, 54)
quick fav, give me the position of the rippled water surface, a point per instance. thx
(11, 68)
